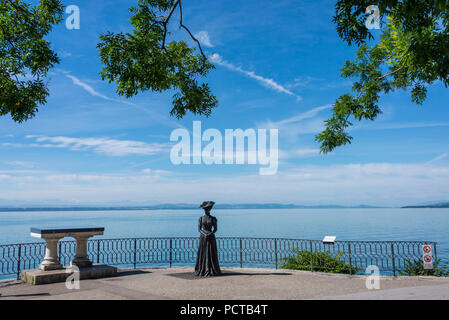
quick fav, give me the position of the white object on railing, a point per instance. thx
(329, 239)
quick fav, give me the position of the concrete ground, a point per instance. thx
(246, 283)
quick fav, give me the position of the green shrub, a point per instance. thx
(416, 268)
(322, 261)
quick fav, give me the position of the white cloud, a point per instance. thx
(86, 87)
(9, 144)
(203, 38)
(153, 114)
(299, 153)
(301, 116)
(370, 183)
(266, 82)
(320, 84)
(156, 171)
(64, 54)
(296, 125)
(440, 157)
(22, 164)
(388, 126)
(106, 146)
(302, 82)
(92, 91)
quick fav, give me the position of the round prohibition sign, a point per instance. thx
(427, 259)
(426, 249)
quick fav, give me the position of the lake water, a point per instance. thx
(346, 224)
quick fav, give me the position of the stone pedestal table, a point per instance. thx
(54, 234)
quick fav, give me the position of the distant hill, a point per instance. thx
(179, 206)
(444, 204)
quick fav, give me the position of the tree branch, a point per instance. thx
(181, 25)
(390, 73)
(385, 59)
(5, 34)
(166, 22)
(19, 8)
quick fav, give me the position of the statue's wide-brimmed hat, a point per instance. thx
(207, 205)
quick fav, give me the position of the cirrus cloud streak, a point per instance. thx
(108, 146)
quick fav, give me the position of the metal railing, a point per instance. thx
(389, 256)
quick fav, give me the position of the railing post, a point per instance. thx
(170, 252)
(311, 255)
(98, 251)
(392, 259)
(436, 258)
(276, 251)
(135, 253)
(241, 261)
(19, 261)
(60, 254)
(350, 258)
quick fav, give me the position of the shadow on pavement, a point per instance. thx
(25, 295)
(131, 272)
(191, 275)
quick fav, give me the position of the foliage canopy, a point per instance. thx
(142, 60)
(413, 52)
(25, 56)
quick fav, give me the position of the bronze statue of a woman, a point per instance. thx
(207, 258)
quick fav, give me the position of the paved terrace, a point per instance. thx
(246, 283)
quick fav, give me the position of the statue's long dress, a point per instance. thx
(207, 259)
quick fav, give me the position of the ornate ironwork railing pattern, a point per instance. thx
(389, 256)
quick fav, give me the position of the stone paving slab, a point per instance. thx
(440, 292)
(246, 283)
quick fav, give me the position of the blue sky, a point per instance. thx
(277, 65)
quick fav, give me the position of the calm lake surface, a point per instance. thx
(346, 224)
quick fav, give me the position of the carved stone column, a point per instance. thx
(51, 261)
(81, 259)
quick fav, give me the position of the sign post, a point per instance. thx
(427, 256)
